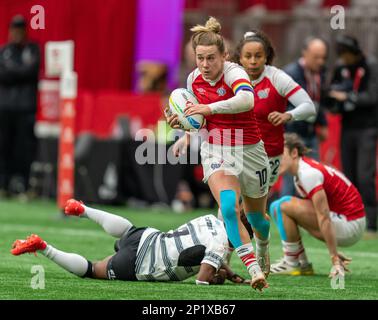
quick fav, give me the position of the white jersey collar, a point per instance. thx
(262, 76)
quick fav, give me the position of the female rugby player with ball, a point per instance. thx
(233, 157)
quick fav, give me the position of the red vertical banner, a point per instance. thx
(66, 163)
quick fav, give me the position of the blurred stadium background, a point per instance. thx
(128, 56)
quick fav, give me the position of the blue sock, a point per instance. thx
(228, 204)
(259, 224)
(276, 207)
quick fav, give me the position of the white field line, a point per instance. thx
(43, 230)
(101, 234)
(362, 254)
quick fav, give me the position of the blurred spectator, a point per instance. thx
(152, 77)
(19, 68)
(309, 73)
(355, 89)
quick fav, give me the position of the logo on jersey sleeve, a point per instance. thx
(264, 93)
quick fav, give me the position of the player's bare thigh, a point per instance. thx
(100, 268)
(303, 212)
(222, 180)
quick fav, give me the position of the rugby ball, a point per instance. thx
(177, 103)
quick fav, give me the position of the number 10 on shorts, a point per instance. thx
(263, 176)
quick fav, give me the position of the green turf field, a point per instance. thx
(86, 238)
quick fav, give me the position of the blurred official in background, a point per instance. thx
(19, 68)
(309, 72)
(355, 89)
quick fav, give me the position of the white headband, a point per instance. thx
(249, 34)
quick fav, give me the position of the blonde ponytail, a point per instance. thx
(212, 25)
(208, 35)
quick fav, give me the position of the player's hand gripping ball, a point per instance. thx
(178, 100)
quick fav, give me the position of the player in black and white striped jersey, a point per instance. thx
(147, 254)
(177, 254)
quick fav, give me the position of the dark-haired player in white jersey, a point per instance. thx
(273, 89)
(145, 254)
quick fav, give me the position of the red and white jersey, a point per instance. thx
(233, 79)
(343, 197)
(272, 91)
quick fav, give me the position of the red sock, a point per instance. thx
(245, 253)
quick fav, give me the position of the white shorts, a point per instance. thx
(347, 232)
(274, 163)
(249, 163)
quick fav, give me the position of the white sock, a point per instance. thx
(261, 245)
(114, 225)
(302, 256)
(71, 262)
(292, 253)
(246, 254)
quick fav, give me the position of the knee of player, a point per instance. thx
(228, 203)
(285, 207)
(99, 270)
(282, 205)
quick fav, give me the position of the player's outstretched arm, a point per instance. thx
(321, 206)
(233, 277)
(208, 275)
